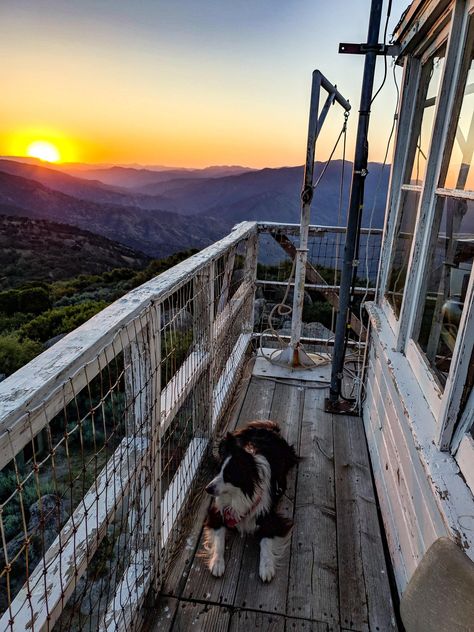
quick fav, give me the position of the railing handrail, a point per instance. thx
(136, 327)
(26, 389)
(314, 229)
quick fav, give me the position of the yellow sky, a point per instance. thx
(222, 83)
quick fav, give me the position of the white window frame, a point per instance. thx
(410, 113)
(444, 403)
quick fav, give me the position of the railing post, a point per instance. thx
(203, 328)
(250, 274)
(143, 388)
(155, 445)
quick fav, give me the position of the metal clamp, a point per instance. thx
(307, 195)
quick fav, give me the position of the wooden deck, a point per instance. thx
(334, 575)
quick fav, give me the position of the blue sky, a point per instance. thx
(181, 83)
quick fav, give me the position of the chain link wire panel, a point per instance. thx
(325, 257)
(100, 465)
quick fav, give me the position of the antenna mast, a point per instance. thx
(354, 216)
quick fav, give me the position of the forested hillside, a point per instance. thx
(35, 314)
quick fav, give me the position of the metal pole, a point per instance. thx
(306, 197)
(294, 355)
(354, 218)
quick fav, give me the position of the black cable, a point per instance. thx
(389, 10)
(387, 149)
(343, 131)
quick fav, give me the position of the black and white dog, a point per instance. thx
(252, 479)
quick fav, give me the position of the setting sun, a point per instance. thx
(44, 151)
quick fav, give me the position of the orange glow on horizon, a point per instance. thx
(44, 151)
(40, 142)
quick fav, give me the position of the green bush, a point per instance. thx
(92, 434)
(12, 524)
(9, 324)
(15, 352)
(30, 300)
(60, 320)
(9, 301)
(319, 311)
(12, 514)
(33, 300)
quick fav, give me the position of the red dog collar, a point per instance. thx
(232, 518)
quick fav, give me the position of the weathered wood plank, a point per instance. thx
(181, 385)
(161, 617)
(258, 401)
(313, 589)
(287, 408)
(353, 598)
(179, 571)
(175, 495)
(302, 625)
(365, 599)
(226, 383)
(200, 617)
(245, 621)
(204, 586)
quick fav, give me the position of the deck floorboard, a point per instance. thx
(334, 575)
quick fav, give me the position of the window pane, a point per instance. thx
(401, 249)
(433, 69)
(460, 172)
(449, 272)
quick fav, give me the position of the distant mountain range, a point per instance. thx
(159, 212)
(38, 250)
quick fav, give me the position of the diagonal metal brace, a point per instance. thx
(313, 276)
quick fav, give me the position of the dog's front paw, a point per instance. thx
(217, 566)
(266, 570)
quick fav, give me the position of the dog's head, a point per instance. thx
(238, 474)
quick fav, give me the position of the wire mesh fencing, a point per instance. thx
(275, 275)
(102, 437)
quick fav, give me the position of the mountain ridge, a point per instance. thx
(34, 250)
(157, 233)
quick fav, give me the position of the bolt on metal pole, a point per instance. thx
(354, 217)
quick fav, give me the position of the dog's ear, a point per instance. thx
(227, 446)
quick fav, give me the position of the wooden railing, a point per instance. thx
(102, 435)
(126, 404)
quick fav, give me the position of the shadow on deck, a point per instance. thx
(334, 575)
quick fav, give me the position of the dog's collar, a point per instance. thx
(232, 518)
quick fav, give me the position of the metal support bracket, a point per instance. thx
(392, 50)
(341, 407)
(293, 355)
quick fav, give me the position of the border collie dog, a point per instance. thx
(251, 481)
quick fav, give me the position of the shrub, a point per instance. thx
(60, 320)
(9, 301)
(15, 352)
(33, 300)
(9, 324)
(12, 514)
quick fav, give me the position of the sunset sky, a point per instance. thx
(183, 82)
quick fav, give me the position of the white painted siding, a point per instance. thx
(420, 493)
